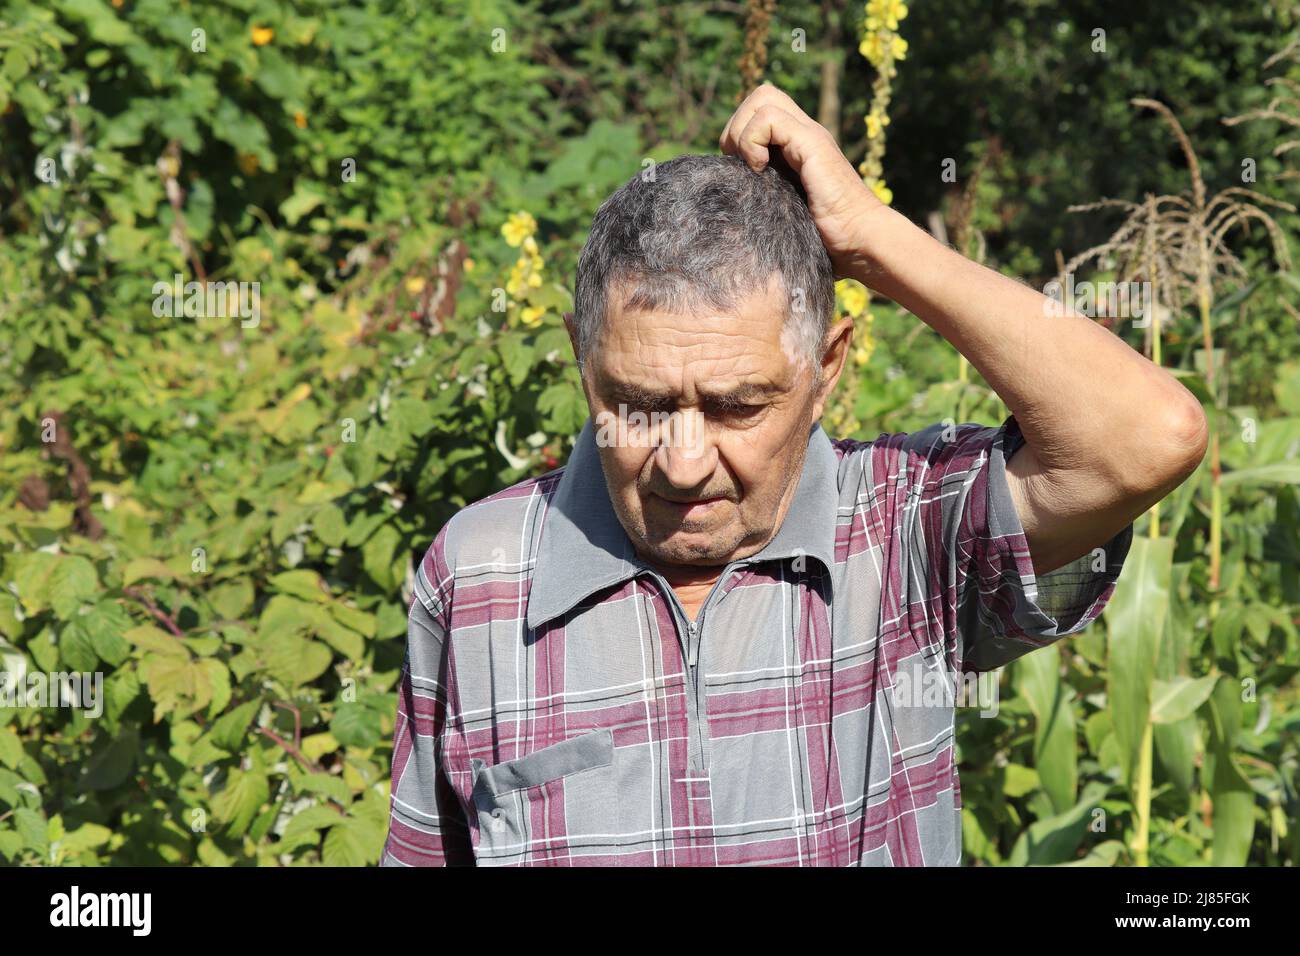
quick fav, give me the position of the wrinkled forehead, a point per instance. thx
(673, 347)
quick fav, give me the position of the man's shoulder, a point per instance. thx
(924, 447)
(496, 530)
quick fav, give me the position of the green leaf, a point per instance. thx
(228, 730)
(517, 357)
(1172, 700)
(32, 827)
(111, 766)
(356, 725)
(232, 599)
(107, 622)
(303, 201)
(1285, 472)
(302, 584)
(329, 525)
(564, 406)
(347, 642)
(412, 416)
(11, 748)
(149, 638)
(1055, 746)
(357, 620)
(72, 582)
(32, 577)
(1135, 621)
(283, 615)
(173, 683)
(1106, 853)
(1231, 794)
(1176, 747)
(1286, 383)
(237, 804)
(316, 746)
(345, 845)
(76, 647)
(294, 660)
(377, 556)
(101, 23)
(310, 822)
(323, 784)
(1055, 839)
(11, 844)
(142, 568)
(85, 837)
(1019, 780)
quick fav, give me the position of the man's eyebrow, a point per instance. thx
(742, 394)
(631, 394)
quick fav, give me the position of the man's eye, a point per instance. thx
(739, 411)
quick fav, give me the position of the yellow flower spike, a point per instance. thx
(886, 12)
(532, 315)
(852, 296)
(518, 227)
(883, 192)
(262, 35)
(530, 245)
(534, 280)
(898, 46)
(871, 48)
(415, 285)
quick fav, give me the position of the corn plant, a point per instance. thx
(1283, 108)
(1178, 244)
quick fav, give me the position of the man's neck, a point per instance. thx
(691, 584)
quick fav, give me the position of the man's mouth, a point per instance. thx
(696, 508)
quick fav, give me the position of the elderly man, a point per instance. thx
(702, 641)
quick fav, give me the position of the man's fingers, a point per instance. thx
(737, 120)
(769, 126)
(764, 95)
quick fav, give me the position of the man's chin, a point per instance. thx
(684, 547)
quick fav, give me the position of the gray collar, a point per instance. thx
(584, 548)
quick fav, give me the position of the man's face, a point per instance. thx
(713, 482)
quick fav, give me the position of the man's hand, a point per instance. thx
(841, 204)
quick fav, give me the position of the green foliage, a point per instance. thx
(221, 515)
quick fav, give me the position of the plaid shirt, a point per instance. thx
(556, 706)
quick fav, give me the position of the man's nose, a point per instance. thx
(684, 453)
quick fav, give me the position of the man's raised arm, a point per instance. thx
(1107, 433)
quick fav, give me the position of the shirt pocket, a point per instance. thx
(503, 793)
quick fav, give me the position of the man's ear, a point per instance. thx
(571, 328)
(839, 337)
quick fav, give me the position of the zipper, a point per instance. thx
(694, 634)
(694, 629)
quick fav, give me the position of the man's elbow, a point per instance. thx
(1158, 448)
(1180, 440)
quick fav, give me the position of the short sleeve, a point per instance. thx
(1004, 609)
(427, 825)
(980, 561)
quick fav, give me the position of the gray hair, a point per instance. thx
(704, 232)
